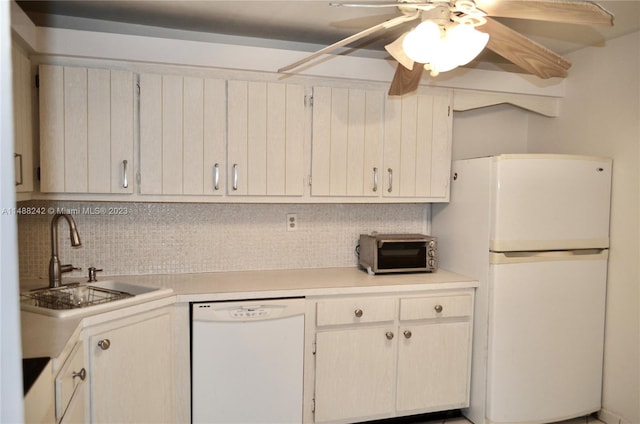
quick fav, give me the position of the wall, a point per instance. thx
(11, 410)
(165, 238)
(489, 131)
(601, 116)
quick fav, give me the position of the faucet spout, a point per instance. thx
(55, 269)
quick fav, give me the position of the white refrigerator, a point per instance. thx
(534, 230)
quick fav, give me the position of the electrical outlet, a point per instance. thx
(292, 222)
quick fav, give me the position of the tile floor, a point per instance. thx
(462, 420)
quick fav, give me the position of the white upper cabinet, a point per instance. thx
(182, 135)
(86, 130)
(22, 118)
(211, 139)
(347, 142)
(266, 124)
(365, 143)
(417, 146)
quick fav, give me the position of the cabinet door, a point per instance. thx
(23, 122)
(132, 371)
(266, 135)
(86, 130)
(355, 373)
(347, 142)
(182, 135)
(433, 366)
(417, 146)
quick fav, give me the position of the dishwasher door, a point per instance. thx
(247, 361)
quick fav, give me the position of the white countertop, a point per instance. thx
(46, 336)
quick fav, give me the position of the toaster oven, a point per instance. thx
(386, 253)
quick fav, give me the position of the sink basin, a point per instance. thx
(77, 299)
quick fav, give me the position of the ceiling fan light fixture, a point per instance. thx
(466, 42)
(444, 49)
(423, 43)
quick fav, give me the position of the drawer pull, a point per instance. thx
(104, 344)
(438, 308)
(358, 313)
(82, 374)
(407, 334)
(389, 335)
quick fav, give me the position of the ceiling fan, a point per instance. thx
(452, 33)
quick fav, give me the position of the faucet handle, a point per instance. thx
(68, 268)
(92, 274)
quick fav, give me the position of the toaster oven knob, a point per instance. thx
(432, 244)
(358, 313)
(431, 253)
(432, 262)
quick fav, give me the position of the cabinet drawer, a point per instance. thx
(435, 307)
(66, 383)
(355, 311)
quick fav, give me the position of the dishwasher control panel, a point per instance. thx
(250, 312)
(246, 311)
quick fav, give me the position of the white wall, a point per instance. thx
(489, 131)
(601, 116)
(10, 347)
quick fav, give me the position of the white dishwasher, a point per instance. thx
(247, 361)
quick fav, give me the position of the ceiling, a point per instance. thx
(299, 25)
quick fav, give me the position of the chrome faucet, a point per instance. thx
(55, 269)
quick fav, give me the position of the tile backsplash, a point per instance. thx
(167, 238)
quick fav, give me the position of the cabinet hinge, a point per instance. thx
(309, 180)
(308, 100)
(138, 85)
(448, 110)
(313, 348)
(37, 80)
(313, 405)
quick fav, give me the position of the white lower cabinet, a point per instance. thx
(392, 356)
(131, 369)
(71, 404)
(353, 373)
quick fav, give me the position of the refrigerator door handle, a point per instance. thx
(547, 256)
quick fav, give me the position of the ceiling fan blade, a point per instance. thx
(572, 12)
(524, 52)
(406, 80)
(384, 25)
(396, 51)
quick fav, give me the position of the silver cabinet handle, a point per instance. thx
(407, 334)
(438, 308)
(82, 374)
(125, 180)
(375, 179)
(235, 176)
(390, 171)
(19, 157)
(216, 176)
(389, 335)
(358, 313)
(104, 344)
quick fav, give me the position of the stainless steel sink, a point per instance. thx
(85, 299)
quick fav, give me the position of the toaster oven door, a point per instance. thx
(402, 255)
